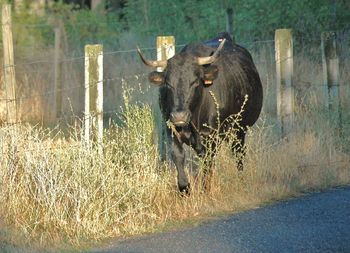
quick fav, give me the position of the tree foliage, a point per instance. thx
(253, 20)
(197, 19)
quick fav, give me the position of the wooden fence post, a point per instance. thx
(229, 22)
(284, 79)
(57, 72)
(330, 62)
(99, 99)
(9, 64)
(93, 116)
(18, 5)
(165, 50)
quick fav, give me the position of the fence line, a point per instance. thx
(136, 76)
(111, 53)
(112, 78)
(131, 51)
(267, 62)
(78, 57)
(74, 87)
(70, 88)
(107, 53)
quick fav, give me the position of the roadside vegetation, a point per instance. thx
(55, 190)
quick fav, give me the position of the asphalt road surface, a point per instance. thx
(318, 222)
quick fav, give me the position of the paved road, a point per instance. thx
(317, 222)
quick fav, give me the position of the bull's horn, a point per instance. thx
(213, 57)
(153, 64)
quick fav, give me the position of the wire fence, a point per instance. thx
(35, 76)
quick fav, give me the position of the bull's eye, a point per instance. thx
(156, 78)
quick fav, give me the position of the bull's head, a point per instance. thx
(183, 79)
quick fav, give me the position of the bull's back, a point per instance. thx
(239, 83)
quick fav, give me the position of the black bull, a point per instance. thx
(191, 80)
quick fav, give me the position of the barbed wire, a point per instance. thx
(78, 58)
(108, 53)
(91, 85)
(136, 76)
(94, 84)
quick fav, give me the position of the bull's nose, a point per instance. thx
(180, 118)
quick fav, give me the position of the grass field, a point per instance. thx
(57, 191)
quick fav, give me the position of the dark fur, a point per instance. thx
(184, 90)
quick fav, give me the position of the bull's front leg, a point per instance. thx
(178, 157)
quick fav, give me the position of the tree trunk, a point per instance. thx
(145, 13)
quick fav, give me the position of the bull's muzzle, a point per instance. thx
(180, 118)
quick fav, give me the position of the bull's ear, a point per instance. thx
(210, 74)
(156, 77)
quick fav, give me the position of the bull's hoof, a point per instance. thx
(185, 189)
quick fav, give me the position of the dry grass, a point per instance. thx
(54, 188)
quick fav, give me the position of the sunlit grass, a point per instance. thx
(54, 188)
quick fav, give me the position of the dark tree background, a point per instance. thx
(192, 20)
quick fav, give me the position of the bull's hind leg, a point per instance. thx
(238, 149)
